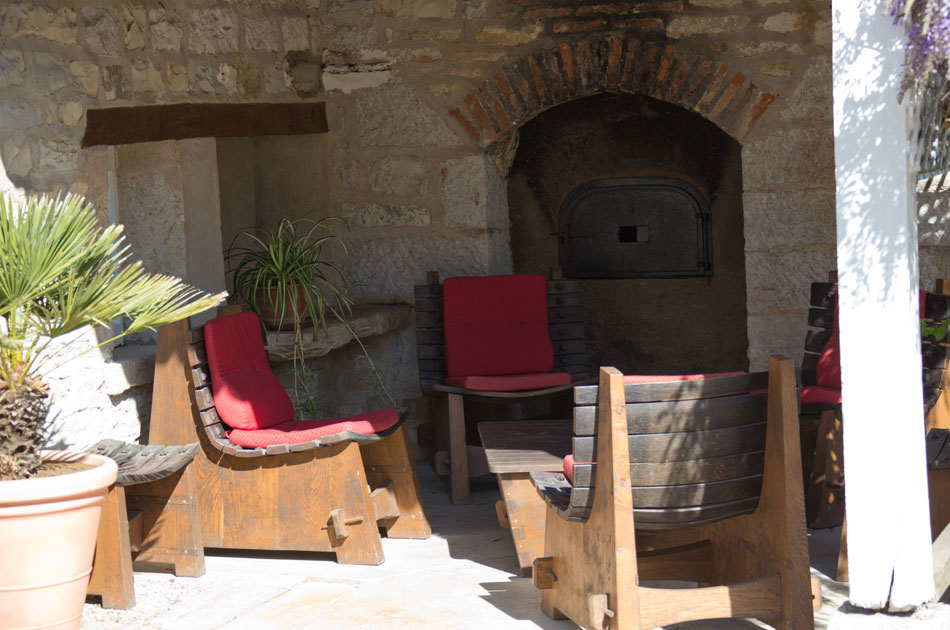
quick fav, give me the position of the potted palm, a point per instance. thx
(286, 276)
(59, 272)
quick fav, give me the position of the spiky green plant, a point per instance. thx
(61, 271)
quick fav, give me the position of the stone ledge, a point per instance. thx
(368, 320)
(131, 366)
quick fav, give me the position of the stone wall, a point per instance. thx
(424, 98)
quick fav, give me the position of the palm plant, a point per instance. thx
(60, 271)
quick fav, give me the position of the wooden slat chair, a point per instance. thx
(312, 495)
(821, 397)
(695, 480)
(497, 348)
(149, 516)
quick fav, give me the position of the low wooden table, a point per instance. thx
(515, 449)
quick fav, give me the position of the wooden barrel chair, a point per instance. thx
(324, 485)
(495, 340)
(695, 480)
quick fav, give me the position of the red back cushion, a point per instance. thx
(246, 392)
(496, 325)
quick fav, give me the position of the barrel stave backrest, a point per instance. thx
(696, 449)
(565, 325)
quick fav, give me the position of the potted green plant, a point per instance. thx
(59, 272)
(286, 277)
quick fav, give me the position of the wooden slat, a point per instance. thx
(675, 447)
(522, 446)
(428, 305)
(563, 362)
(663, 518)
(934, 356)
(430, 319)
(669, 416)
(430, 336)
(816, 340)
(693, 471)
(936, 306)
(563, 332)
(430, 352)
(681, 390)
(204, 398)
(824, 294)
(428, 291)
(562, 300)
(821, 317)
(574, 346)
(200, 376)
(686, 495)
(154, 123)
(563, 286)
(565, 315)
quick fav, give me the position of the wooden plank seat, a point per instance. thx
(694, 480)
(148, 516)
(509, 340)
(330, 493)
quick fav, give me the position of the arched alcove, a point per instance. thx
(653, 325)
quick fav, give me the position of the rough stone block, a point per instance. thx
(12, 68)
(166, 33)
(389, 215)
(474, 9)
(249, 80)
(213, 31)
(781, 280)
(784, 22)
(933, 214)
(419, 9)
(18, 115)
(716, 4)
(782, 70)
(177, 78)
(70, 112)
(811, 100)
(58, 156)
(432, 34)
(502, 36)
(347, 82)
(262, 34)
(147, 78)
(475, 194)
(776, 333)
(799, 157)
(17, 158)
(296, 34)
(347, 172)
(84, 76)
(397, 116)
(690, 26)
(934, 263)
(18, 20)
(135, 22)
(116, 82)
(102, 31)
(50, 74)
(388, 268)
(752, 49)
(347, 39)
(789, 218)
(402, 176)
(362, 7)
(305, 73)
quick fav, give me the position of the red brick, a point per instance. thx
(578, 26)
(699, 80)
(607, 9)
(663, 71)
(727, 97)
(674, 6)
(585, 68)
(481, 116)
(469, 127)
(539, 84)
(647, 67)
(568, 60)
(547, 13)
(682, 71)
(501, 117)
(554, 77)
(612, 75)
(504, 86)
(642, 25)
(730, 115)
(493, 103)
(761, 104)
(719, 46)
(706, 101)
(630, 63)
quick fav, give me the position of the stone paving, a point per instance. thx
(463, 577)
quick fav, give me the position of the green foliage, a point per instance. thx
(292, 258)
(60, 271)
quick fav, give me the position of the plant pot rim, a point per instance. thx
(77, 484)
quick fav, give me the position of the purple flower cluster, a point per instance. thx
(928, 35)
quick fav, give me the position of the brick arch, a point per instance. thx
(541, 80)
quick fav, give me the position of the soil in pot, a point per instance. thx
(271, 316)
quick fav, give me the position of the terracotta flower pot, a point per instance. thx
(271, 316)
(48, 531)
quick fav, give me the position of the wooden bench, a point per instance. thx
(148, 516)
(515, 449)
(453, 435)
(328, 495)
(695, 480)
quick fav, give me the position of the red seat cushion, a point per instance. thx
(246, 392)
(817, 395)
(639, 379)
(297, 431)
(496, 325)
(511, 382)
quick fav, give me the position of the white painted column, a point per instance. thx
(886, 484)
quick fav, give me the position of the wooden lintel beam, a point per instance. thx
(151, 123)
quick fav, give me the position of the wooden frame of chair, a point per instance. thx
(447, 404)
(314, 496)
(751, 565)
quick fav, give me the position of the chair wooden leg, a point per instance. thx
(825, 507)
(524, 510)
(458, 452)
(112, 568)
(171, 525)
(841, 575)
(390, 461)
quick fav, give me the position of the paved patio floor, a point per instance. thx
(463, 577)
